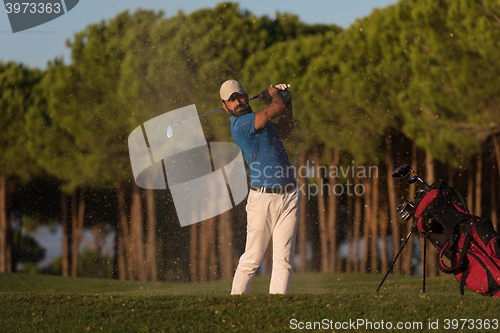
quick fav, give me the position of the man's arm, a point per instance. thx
(274, 109)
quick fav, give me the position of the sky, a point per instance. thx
(36, 46)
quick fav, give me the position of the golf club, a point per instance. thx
(170, 131)
(404, 170)
(405, 210)
(406, 213)
(413, 180)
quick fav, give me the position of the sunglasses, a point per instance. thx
(235, 97)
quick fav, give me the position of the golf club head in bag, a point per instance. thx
(406, 210)
(404, 171)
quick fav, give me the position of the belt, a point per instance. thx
(276, 190)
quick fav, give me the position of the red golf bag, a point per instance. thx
(469, 242)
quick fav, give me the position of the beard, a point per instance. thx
(240, 110)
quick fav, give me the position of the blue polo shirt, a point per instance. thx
(263, 151)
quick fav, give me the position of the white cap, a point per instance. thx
(229, 87)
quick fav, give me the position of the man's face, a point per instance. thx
(237, 105)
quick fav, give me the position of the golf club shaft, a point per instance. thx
(423, 182)
(419, 178)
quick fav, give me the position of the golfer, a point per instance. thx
(273, 201)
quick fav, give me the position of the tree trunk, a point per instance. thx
(384, 225)
(350, 236)
(214, 262)
(193, 252)
(375, 204)
(323, 237)
(451, 176)
(137, 236)
(65, 226)
(204, 249)
(5, 227)
(366, 224)
(479, 180)
(122, 233)
(8, 233)
(207, 258)
(74, 234)
(470, 190)
(226, 246)
(77, 216)
(151, 263)
(494, 209)
(357, 227)
(302, 237)
(494, 188)
(394, 218)
(497, 153)
(332, 212)
(99, 237)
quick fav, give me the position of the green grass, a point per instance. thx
(43, 303)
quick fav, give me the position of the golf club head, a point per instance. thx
(404, 206)
(419, 194)
(406, 216)
(406, 210)
(402, 171)
(412, 180)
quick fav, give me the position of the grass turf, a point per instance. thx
(55, 304)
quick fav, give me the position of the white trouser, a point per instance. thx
(269, 214)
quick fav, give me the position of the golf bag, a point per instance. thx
(469, 242)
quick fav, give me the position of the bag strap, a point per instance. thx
(463, 252)
(460, 262)
(463, 278)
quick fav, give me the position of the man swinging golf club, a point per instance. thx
(273, 202)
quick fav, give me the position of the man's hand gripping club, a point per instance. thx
(280, 99)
